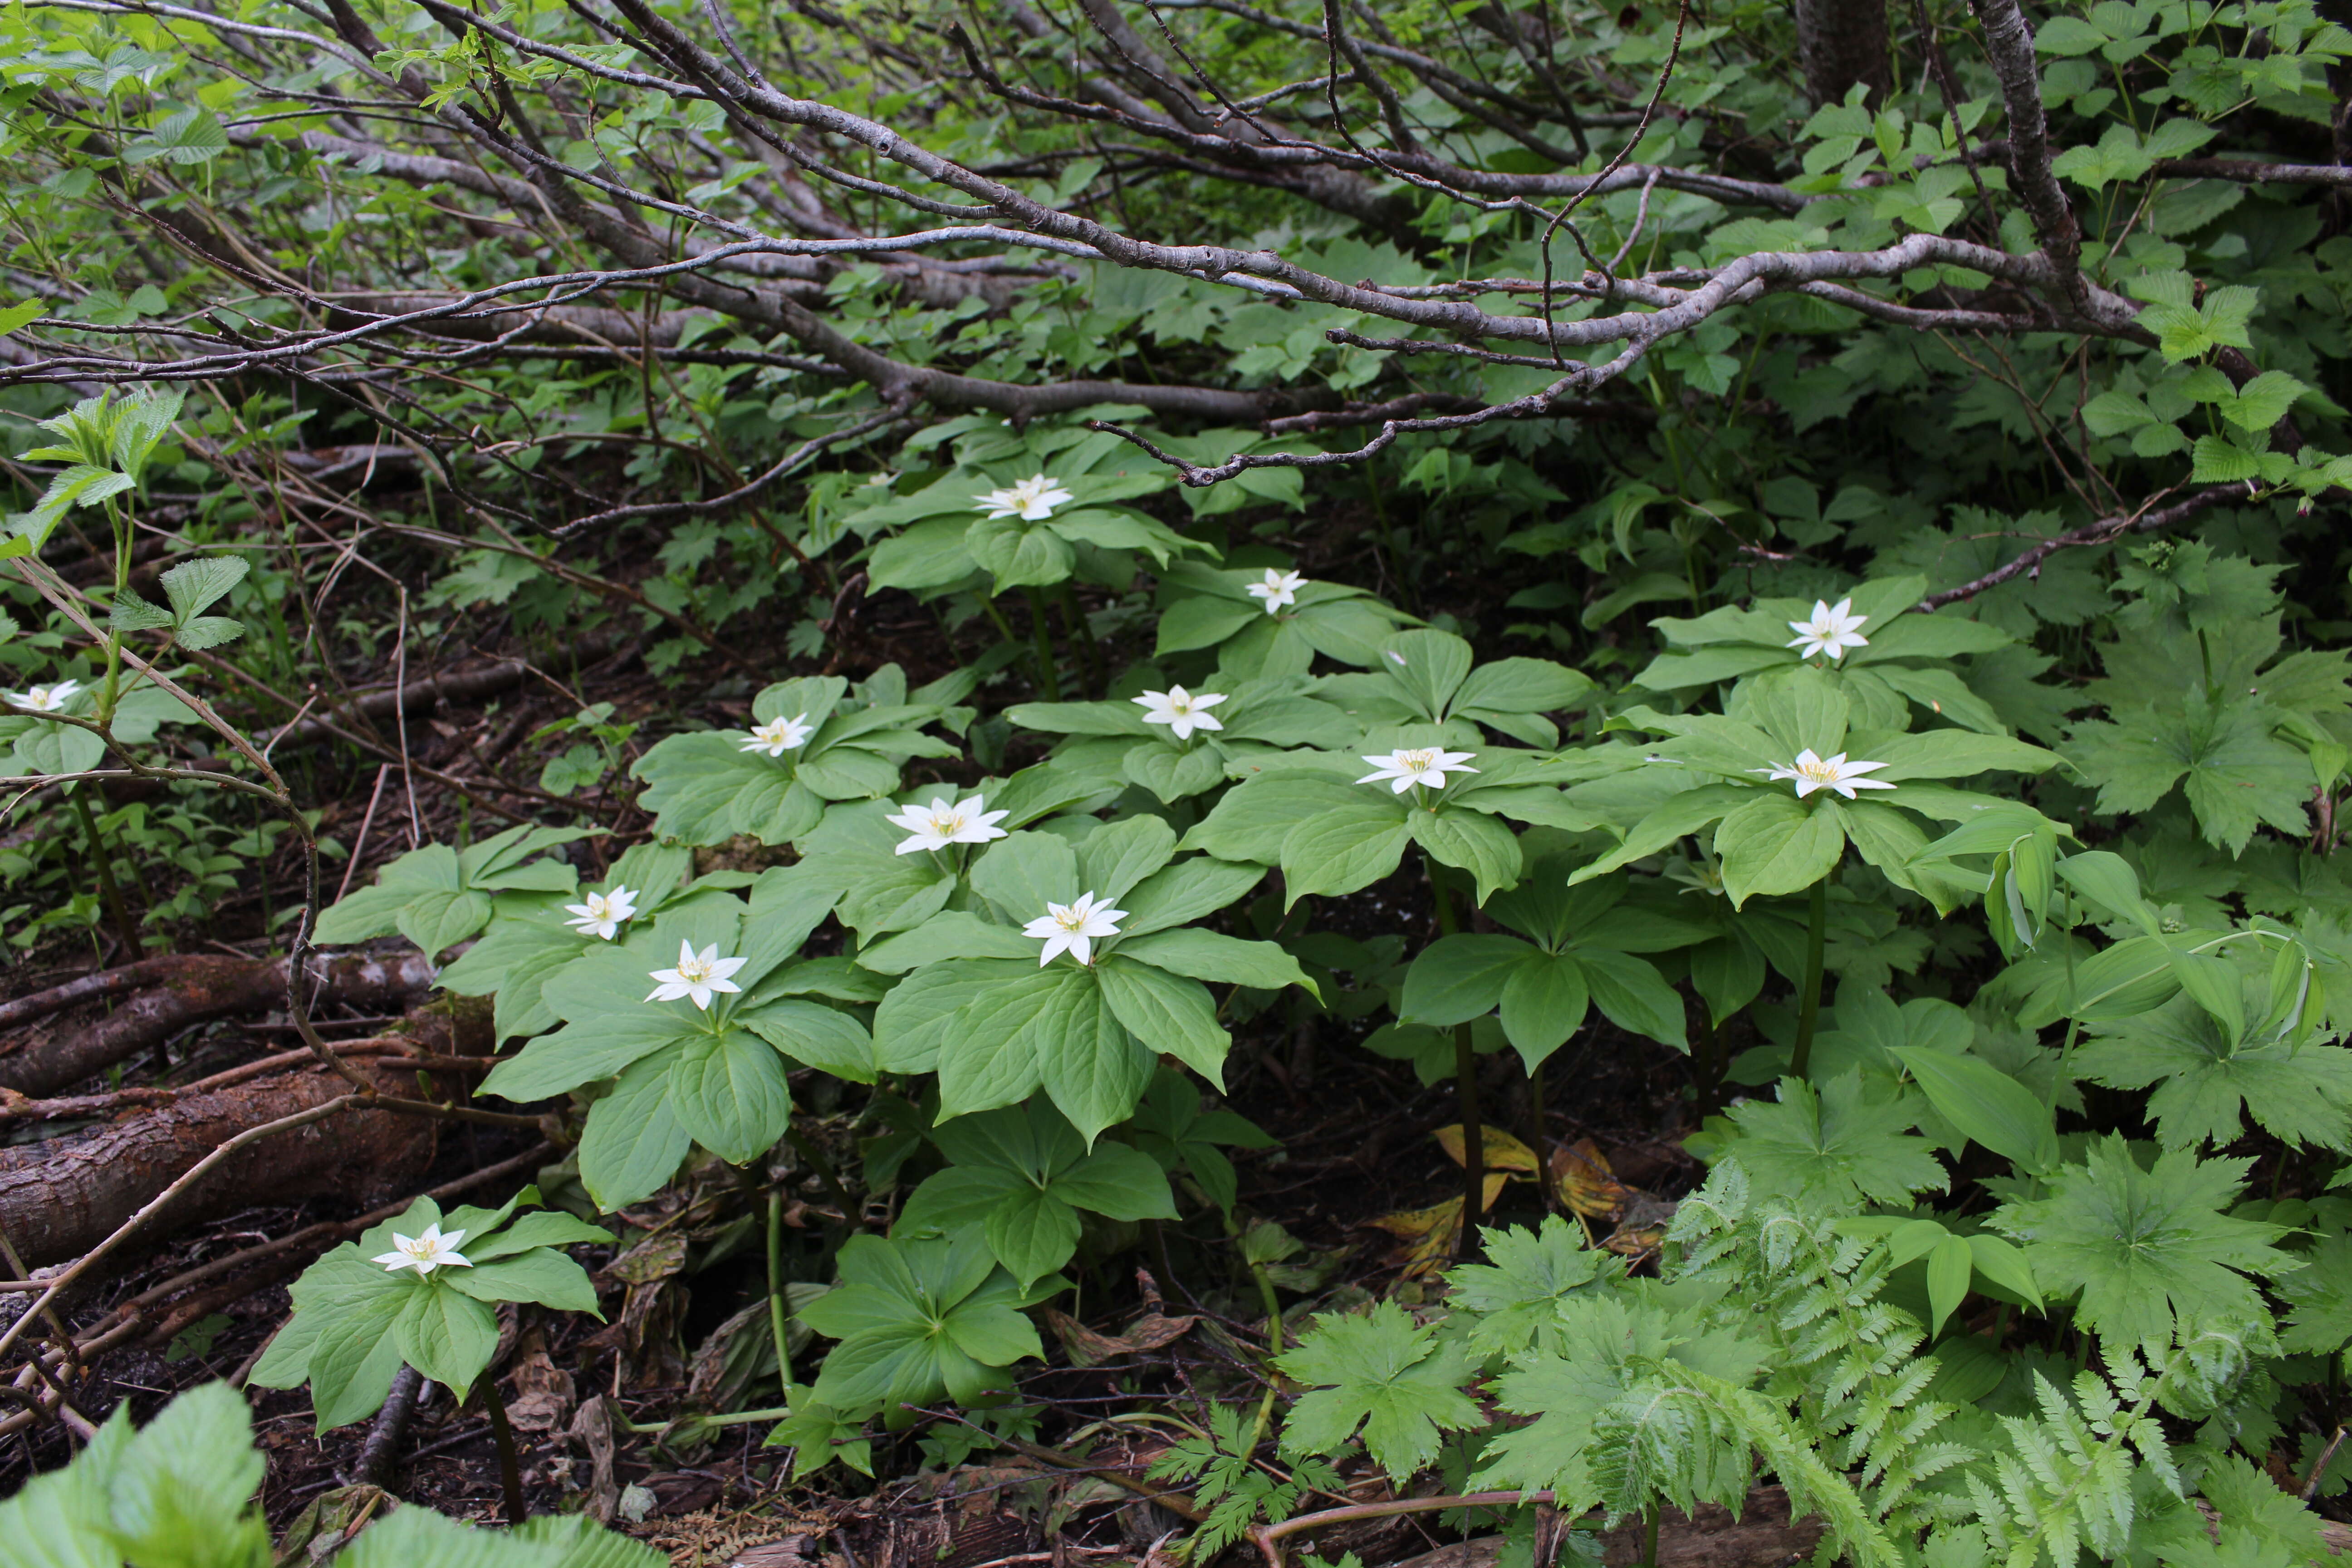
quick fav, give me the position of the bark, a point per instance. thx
(1840, 42)
(188, 990)
(60, 1198)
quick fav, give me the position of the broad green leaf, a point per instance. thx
(1986, 1105)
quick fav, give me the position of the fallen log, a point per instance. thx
(173, 993)
(62, 1197)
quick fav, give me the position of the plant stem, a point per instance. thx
(1650, 1539)
(1546, 1188)
(510, 1468)
(102, 862)
(778, 1311)
(1465, 1088)
(1809, 999)
(1041, 636)
(1090, 653)
(1274, 1348)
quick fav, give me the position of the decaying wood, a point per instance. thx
(60, 1198)
(174, 994)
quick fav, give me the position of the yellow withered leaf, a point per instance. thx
(1429, 1234)
(1503, 1152)
(1586, 1182)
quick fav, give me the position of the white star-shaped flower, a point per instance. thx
(602, 914)
(1277, 589)
(1810, 772)
(1182, 712)
(1073, 926)
(778, 736)
(1032, 500)
(46, 698)
(424, 1252)
(1832, 629)
(697, 974)
(942, 823)
(1419, 765)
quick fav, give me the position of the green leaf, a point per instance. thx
(2145, 1248)
(1950, 1263)
(1986, 1105)
(1207, 955)
(447, 1336)
(1834, 1147)
(1469, 840)
(633, 1141)
(1385, 1373)
(1634, 995)
(728, 1091)
(1169, 1014)
(1543, 1002)
(1458, 978)
(1774, 844)
(1349, 845)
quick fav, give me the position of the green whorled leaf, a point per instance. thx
(1728, 973)
(810, 699)
(1018, 553)
(949, 934)
(1951, 754)
(1020, 875)
(56, 749)
(1252, 821)
(1471, 840)
(592, 1048)
(1635, 996)
(1986, 1105)
(1079, 717)
(1092, 1065)
(1944, 694)
(1170, 1014)
(1202, 621)
(1118, 855)
(539, 1229)
(435, 920)
(729, 1093)
(1889, 839)
(929, 555)
(1427, 666)
(815, 1037)
(1678, 671)
(1522, 686)
(1210, 955)
(1172, 772)
(1347, 845)
(633, 1141)
(992, 1053)
(446, 1336)
(1457, 978)
(540, 1275)
(844, 773)
(919, 1013)
(1773, 843)
(1186, 891)
(1679, 816)
(1543, 1002)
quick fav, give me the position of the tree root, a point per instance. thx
(171, 993)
